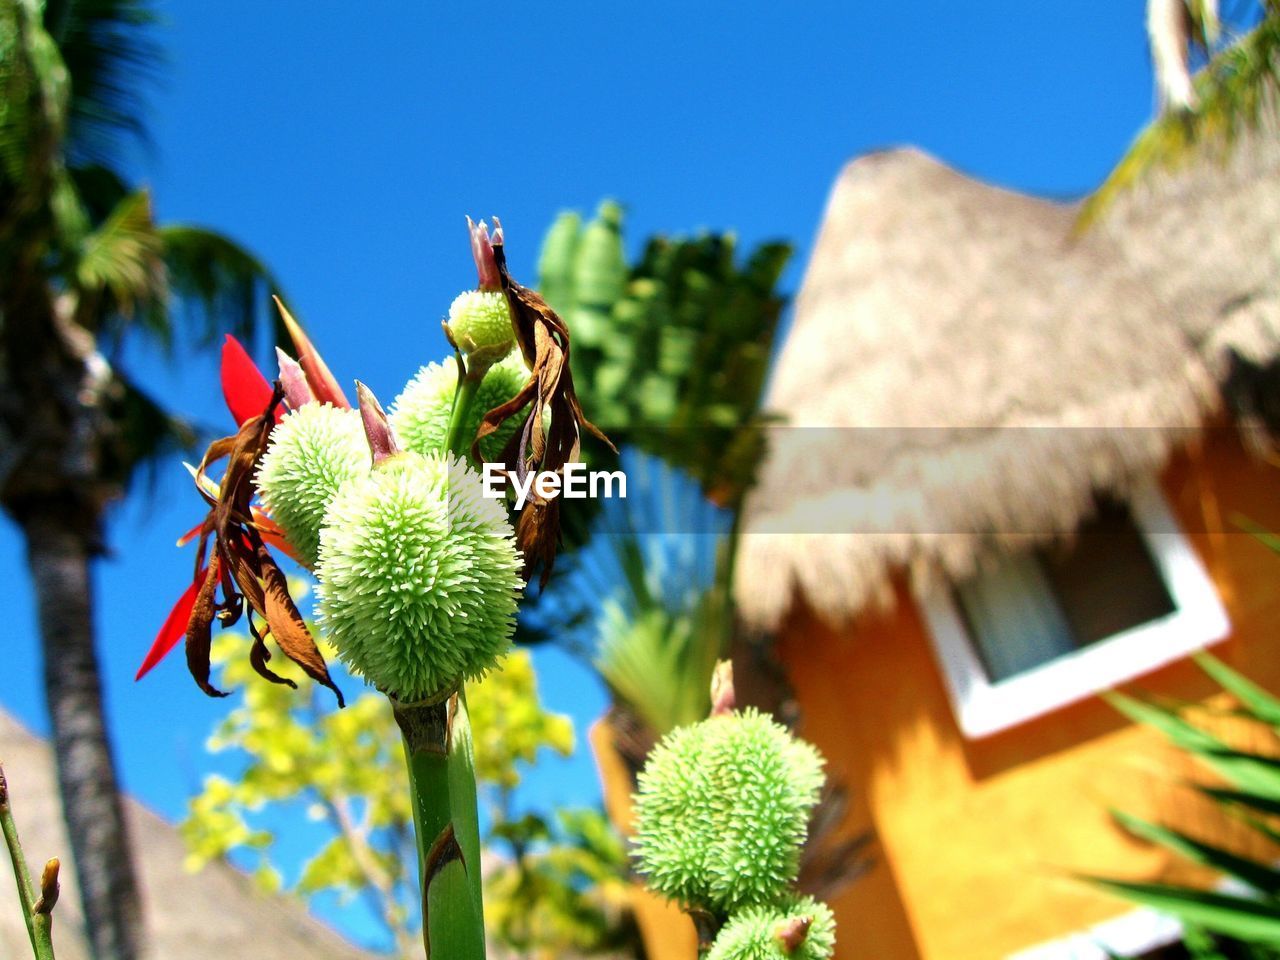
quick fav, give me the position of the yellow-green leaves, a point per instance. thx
(510, 725)
(344, 770)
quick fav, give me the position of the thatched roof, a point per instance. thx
(212, 915)
(970, 368)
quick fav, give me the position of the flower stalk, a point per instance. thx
(456, 440)
(37, 902)
(442, 781)
(440, 757)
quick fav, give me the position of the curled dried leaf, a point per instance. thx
(550, 434)
(241, 567)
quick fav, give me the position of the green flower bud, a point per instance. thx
(313, 451)
(723, 809)
(798, 928)
(420, 415)
(480, 326)
(418, 576)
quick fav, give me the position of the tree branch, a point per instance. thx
(378, 878)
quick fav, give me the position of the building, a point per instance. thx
(1011, 457)
(214, 914)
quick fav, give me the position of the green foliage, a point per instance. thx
(510, 727)
(669, 354)
(1248, 910)
(563, 887)
(418, 576)
(122, 257)
(644, 599)
(80, 243)
(1236, 92)
(109, 54)
(722, 810)
(343, 770)
(659, 657)
(222, 282)
(669, 358)
(313, 451)
(559, 884)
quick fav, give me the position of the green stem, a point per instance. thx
(455, 442)
(39, 919)
(442, 782)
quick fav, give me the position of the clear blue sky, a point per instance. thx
(345, 143)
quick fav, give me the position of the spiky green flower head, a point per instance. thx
(798, 928)
(420, 415)
(313, 451)
(418, 576)
(723, 809)
(480, 325)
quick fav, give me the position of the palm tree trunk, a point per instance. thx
(59, 550)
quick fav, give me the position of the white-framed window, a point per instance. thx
(1039, 630)
(1131, 934)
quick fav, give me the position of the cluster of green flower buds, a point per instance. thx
(418, 573)
(722, 812)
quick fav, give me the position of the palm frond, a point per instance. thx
(670, 353)
(142, 433)
(123, 258)
(1249, 920)
(1257, 876)
(17, 83)
(1236, 92)
(33, 97)
(111, 57)
(1257, 703)
(1249, 795)
(98, 190)
(637, 597)
(226, 286)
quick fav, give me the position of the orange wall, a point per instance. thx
(977, 838)
(667, 931)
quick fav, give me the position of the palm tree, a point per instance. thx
(84, 266)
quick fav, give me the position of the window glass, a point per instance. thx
(1031, 608)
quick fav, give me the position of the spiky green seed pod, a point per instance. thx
(420, 415)
(778, 932)
(723, 809)
(418, 576)
(313, 452)
(480, 325)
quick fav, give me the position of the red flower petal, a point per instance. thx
(273, 536)
(175, 627)
(245, 389)
(190, 534)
